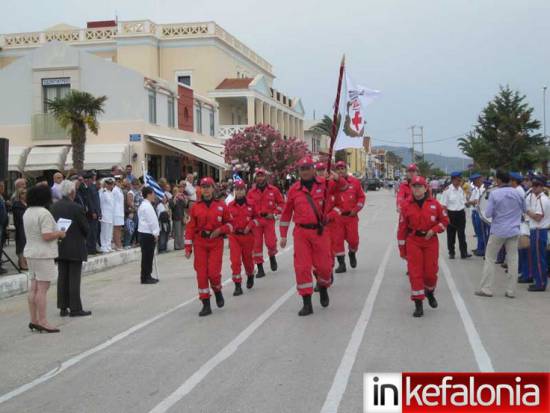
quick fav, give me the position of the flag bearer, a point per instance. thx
(209, 219)
(350, 201)
(538, 211)
(305, 202)
(268, 202)
(241, 240)
(422, 217)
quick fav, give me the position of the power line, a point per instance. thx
(390, 140)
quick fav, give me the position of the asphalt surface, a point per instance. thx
(145, 349)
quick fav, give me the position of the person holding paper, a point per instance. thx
(71, 218)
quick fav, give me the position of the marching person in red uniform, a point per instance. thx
(241, 240)
(422, 217)
(209, 219)
(267, 202)
(405, 191)
(350, 201)
(305, 202)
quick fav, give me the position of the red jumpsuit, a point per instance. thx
(268, 201)
(241, 245)
(311, 249)
(203, 220)
(351, 199)
(404, 194)
(421, 254)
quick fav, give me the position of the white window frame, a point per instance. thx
(189, 73)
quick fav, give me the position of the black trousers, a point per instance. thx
(68, 285)
(457, 226)
(93, 233)
(147, 244)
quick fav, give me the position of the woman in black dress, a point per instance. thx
(18, 207)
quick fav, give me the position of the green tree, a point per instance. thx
(506, 135)
(393, 159)
(424, 168)
(78, 112)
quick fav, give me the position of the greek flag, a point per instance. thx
(149, 181)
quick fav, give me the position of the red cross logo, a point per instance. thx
(357, 120)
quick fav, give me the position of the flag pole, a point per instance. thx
(334, 131)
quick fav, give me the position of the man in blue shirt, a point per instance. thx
(505, 207)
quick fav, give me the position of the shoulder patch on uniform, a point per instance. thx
(432, 206)
(319, 190)
(220, 208)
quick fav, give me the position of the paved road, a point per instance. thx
(145, 349)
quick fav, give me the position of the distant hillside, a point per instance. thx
(448, 163)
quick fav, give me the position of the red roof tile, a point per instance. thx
(239, 83)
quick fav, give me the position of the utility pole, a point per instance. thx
(544, 111)
(417, 138)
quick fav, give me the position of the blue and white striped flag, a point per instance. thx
(149, 181)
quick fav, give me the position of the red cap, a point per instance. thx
(260, 171)
(341, 164)
(320, 166)
(418, 180)
(412, 167)
(207, 181)
(306, 161)
(239, 184)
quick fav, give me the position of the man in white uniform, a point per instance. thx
(454, 200)
(106, 201)
(118, 209)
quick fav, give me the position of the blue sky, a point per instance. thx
(437, 62)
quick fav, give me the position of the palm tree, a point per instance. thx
(324, 127)
(78, 111)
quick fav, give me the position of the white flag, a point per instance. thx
(353, 103)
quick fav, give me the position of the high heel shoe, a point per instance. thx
(47, 330)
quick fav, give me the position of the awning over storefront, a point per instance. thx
(101, 156)
(190, 148)
(17, 157)
(43, 158)
(212, 147)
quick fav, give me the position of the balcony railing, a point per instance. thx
(44, 126)
(227, 131)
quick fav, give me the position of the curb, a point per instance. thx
(11, 285)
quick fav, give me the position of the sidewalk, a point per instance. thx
(14, 283)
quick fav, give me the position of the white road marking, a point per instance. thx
(482, 357)
(338, 388)
(79, 357)
(221, 356)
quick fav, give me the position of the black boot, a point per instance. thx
(431, 299)
(316, 289)
(273, 263)
(261, 272)
(238, 289)
(219, 299)
(307, 309)
(250, 281)
(341, 265)
(352, 259)
(323, 294)
(206, 310)
(418, 308)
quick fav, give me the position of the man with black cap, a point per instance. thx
(454, 201)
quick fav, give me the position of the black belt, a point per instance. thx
(420, 233)
(239, 232)
(309, 226)
(346, 214)
(206, 234)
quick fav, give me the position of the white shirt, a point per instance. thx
(190, 191)
(161, 208)
(475, 194)
(148, 222)
(106, 202)
(453, 198)
(118, 206)
(539, 204)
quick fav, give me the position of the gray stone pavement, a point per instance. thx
(145, 350)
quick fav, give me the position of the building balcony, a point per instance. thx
(227, 131)
(44, 127)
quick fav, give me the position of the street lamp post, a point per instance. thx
(544, 111)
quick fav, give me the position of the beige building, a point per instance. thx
(202, 56)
